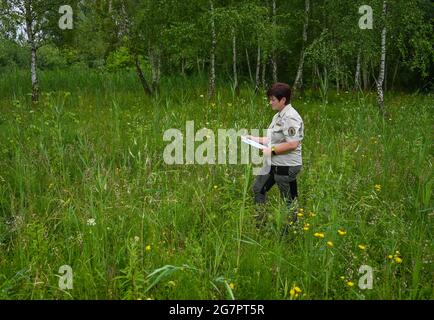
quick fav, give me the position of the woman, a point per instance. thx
(285, 134)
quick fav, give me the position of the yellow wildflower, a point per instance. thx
(330, 243)
(390, 256)
(319, 235)
(350, 283)
(342, 232)
(377, 187)
(361, 247)
(148, 247)
(232, 286)
(294, 292)
(398, 260)
(306, 228)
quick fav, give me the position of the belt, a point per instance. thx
(281, 170)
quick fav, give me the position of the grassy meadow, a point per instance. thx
(83, 183)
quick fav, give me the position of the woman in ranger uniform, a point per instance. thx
(284, 147)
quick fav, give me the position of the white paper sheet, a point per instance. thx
(253, 143)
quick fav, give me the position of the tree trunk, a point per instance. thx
(338, 74)
(258, 68)
(380, 92)
(200, 65)
(357, 76)
(234, 62)
(34, 74)
(313, 84)
(298, 83)
(365, 74)
(33, 49)
(385, 75)
(394, 74)
(211, 85)
(273, 54)
(346, 82)
(142, 77)
(159, 69)
(154, 57)
(337, 84)
(248, 65)
(264, 69)
(274, 66)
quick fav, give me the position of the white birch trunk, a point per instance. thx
(380, 92)
(248, 65)
(33, 49)
(299, 77)
(357, 76)
(211, 85)
(264, 70)
(273, 55)
(234, 60)
(258, 68)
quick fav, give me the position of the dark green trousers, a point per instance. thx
(287, 184)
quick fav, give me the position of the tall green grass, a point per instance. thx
(93, 149)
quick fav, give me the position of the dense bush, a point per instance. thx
(12, 54)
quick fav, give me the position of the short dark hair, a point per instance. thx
(280, 90)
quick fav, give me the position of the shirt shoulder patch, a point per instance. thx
(291, 131)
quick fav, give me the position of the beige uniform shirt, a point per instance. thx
(286, 126)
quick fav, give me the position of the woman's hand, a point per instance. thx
(266, 152)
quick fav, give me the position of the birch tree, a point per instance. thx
(298, 82)
(30, 16)
(211, 81)
(273, 54)
(380, 91)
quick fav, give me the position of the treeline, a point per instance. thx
(307, 43)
